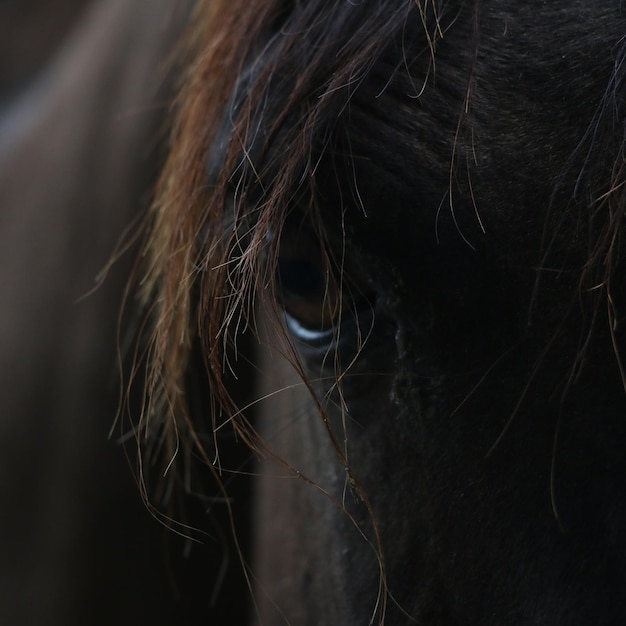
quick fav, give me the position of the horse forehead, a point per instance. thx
(492, 121)
(512, 74)
(504, 96)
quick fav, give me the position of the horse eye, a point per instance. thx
(307, 289)
(309, 296)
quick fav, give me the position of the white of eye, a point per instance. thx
(307, 334)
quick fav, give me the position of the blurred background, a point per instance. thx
(84, 92)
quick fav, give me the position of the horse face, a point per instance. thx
(454, 436)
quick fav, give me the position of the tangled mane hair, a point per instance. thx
(241, 159)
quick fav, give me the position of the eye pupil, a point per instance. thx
(299, 278)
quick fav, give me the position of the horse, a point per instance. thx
(378, 286)
(408, 215)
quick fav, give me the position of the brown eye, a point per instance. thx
(307, 288)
